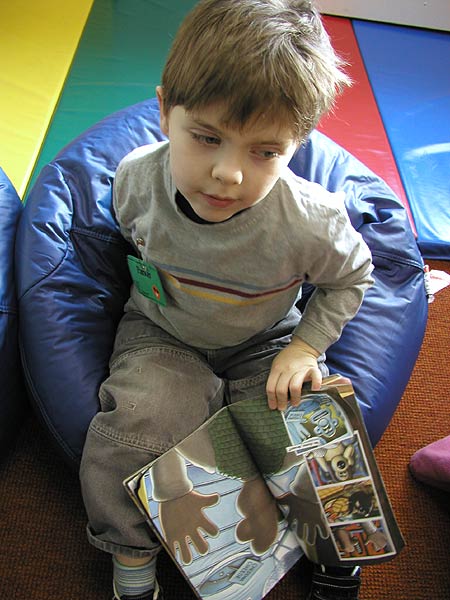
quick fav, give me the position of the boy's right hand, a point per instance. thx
(294, 365)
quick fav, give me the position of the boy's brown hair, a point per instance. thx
(258, 57)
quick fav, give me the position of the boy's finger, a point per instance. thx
(270, 391)
(295, 388)
(316, 380)
(282, 391)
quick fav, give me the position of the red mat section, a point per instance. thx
(356, 123)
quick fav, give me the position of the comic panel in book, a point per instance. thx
(351, 503)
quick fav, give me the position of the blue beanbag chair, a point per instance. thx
(12, 401)
(73, 279)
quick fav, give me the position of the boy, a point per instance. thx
(233, 235)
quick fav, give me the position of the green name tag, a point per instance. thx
(146, 279)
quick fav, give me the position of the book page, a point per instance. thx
(331, 491)
(210, 507)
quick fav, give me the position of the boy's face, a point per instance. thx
(222, 170)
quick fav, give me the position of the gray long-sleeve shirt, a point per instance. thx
(225, 282)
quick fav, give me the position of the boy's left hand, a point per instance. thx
(294, 365)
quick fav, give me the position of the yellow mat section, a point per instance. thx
(37, 45)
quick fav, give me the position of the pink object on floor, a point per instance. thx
(431, 464)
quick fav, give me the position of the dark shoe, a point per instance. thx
(156, 594)
(335, 584)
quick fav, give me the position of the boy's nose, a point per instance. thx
(228, 172)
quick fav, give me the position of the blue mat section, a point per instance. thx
(409, 70)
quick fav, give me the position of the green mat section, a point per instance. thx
(118, 62)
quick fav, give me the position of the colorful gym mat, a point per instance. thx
(118, 63)
(123, 47)
(356, 123)
(409, 70)
(37, 44)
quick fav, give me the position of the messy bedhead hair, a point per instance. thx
(257, 57)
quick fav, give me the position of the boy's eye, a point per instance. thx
(267, 154)
(208, 140)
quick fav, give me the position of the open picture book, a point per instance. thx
(241, 499)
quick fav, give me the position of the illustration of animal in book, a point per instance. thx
(238, 502)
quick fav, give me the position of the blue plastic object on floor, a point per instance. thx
(409, 70)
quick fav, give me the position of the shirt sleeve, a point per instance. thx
(341, 274)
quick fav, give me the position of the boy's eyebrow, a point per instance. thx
(204, 124)
(270, 142)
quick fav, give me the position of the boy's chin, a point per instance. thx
(211, 215)
(215, 218)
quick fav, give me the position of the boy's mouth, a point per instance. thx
(218, 201)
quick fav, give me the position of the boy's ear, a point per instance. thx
(163, 120)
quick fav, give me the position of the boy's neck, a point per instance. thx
(186, 209)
